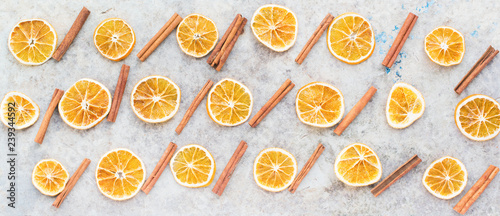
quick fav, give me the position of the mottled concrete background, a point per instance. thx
(263, 71)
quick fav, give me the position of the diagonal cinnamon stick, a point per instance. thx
(222, 41)
(307, 167)
(275, 99)
(314, 38)
(403, 34)
(56, 97)
(397, 174)
(355, 111)
(225, 55)
(477, 189)
(196, 102)
(232, 34)
(228, 171)
(71, 183)
(70, 36)
(222, 50)
(159, 37)
(162, 164)
(120, 88)
(476, 69)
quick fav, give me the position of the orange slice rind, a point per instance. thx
(478, 117)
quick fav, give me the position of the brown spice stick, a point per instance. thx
(71, 183)
(120, 88)
(196, 102)
(288, 89)
(159, 37)
(269, 102)
(70, 36)
(314, 38)
(228, 171)
(56, 97)
(355, 111)
(225, 55)
(218, 47)
(403, 34)
(476, 69)
(232, 34)
(397, 174)
(476, 190)
(307, 167)
(162, 164)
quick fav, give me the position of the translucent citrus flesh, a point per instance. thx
(156, 99)
(480, 117)
(193, 166)
(358, 165)
(350, 38)
(446, 178)
(114, 39)
(405, 106)
(50, 177)
(197, 35)
(275, 27)
(25, 111)
(33, 41)
(319, 104)
(120, 174)
(230, 103)
(275, 169)
(445, 46)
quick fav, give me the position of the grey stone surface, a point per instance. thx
(262, 70)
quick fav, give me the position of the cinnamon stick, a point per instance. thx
(314, 38)
(162, 164)
(476, 69)
(222, 50)
(232, 33)
(403, 34)
(309, 164)
(225, 55)
(196, 102)
(397, 174)
(70, 36)
(56, 97)
(159, 37)
(228, 171)
(271, 103)
(120, 88)
(477, 189)
(222, 41)
(355, 111)
(71, 183)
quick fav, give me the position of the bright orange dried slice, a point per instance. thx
(114, 39)
(49, 177)
(358, 165)
(229, 103)
(197, 35)
(445, 178)
(275, 26)
(193, 166)
(32, 41)
(478, 117)
(85, 104)
(319, 104)
(405, 105)
(445, 46)
(23, 111)
(120, 174)
(274, 169)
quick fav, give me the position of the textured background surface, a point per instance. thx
(263, 71)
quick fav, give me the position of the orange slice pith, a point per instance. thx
(274, 169)
(358, 165)
(275, 26)
(319, 104)
(445, 46)
(33, 41)
(405, 105)
(445, 178)
(350, 38)
(85, 104)
(197, 35)
(193, 166)
(114, 38)
(26, 111)
(229, 103)
(49, 177)
(478, 117)
(155, 99)
(120, 174)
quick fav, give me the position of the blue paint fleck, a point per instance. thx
(395, 28)
(387, 70)
(382, 37)
(402, 6)
(474, 34)
(425, 8)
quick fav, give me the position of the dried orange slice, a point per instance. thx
(19, 109)
(85, 104)
(274, 169)
(445, 178)
(193, 166)
(275, 26)
(478, 117)
(350, 38)
(120, 174)
(445, 46)
(114, 38)
(358, 165)
(319, 104)
(229, 103)
(155, 99)
(49, 177)
(197, 35)
(404, 105)
(32, 41)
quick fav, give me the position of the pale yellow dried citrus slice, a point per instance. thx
(445, 46)
(85, 104)
(197, 35)
(478, 117)
(120, 174)
(114, 39)
(155, 99)
(350, 38)
(405, 105)
(445, 178)
(319, 104)
(49, 177)
(358, 165)
(275, 26)
(32, 41)
(193, 166)
(274, 169)
(19, 109)
(229, 103)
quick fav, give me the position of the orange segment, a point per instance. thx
(445, 46)
(319, 104)
(114, 38)
(229, 103)
(49, 177)
(33, 41)
(445, 178)
(19, 108)
(197, 35)
(478, 117)
(405, 105)
(193, 166)
(275, 26)
(274, 169)
(358, 165)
